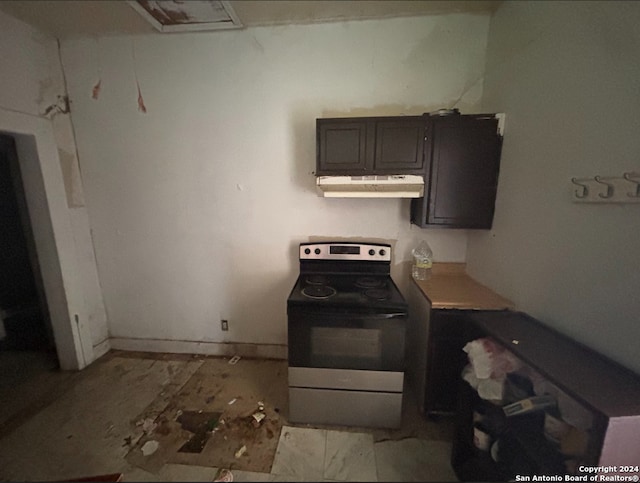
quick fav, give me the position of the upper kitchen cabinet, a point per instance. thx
(342, 146)
(463, 153)
(370, 145)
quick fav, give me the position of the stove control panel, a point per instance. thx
(377, 252)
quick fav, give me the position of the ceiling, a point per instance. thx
(73, 18)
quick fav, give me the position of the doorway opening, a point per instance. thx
(27, 346)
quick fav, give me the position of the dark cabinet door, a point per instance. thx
(399, 146)
(370, 145)
(343, 147)
(445, 360)
(463, 176)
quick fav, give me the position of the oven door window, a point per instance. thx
(345, 347)
(369, 342)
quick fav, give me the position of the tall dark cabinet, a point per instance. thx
(461, 179)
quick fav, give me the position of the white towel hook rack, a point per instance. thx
(607, 189)
(628, 177)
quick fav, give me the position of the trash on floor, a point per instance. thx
(149, 447)
(232, 401)
(148, 425)
(257, 418)
(224, 475)
(241, 451)
(255, 384)
(201, 424)
(234, 360)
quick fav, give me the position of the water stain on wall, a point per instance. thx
(381, 110)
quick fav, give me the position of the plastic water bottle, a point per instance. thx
(422, 261)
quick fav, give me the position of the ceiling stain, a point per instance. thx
(164, 14)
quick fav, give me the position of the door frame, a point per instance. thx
(46, 200)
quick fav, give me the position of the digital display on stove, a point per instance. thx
(344, 250)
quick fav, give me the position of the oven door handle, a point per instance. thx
(362, 315)
(392, 315)
(300, 313)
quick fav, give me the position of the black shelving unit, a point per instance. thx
(609, 392)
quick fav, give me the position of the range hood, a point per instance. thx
(392, 186)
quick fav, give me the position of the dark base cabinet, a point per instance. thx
(601, 391)
(445, 360)
(435, 338)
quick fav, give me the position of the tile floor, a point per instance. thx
(88, 426)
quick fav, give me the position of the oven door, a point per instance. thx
(347, 340)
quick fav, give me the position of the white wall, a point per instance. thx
(568, 77)
(31, 80)
(198, 205)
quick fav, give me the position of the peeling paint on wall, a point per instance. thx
(95, 92)
(45, 92)
(141, 106)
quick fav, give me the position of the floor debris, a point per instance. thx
(254, 384)
(149, 447)
(257, 418)
(201, 424)
(232, 401)
(241, 451)
(224, 475)
(234, 360)
(149, 426)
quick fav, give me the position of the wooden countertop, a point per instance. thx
(449, 287)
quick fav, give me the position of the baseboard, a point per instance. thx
(101, 348)
(261, 351)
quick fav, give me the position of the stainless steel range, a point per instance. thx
(346, 321)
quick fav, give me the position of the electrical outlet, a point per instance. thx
(224, 324)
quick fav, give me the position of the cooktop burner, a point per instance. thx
(377, 293)
(316, 280)
(318, 291)
(346, 290)
(369, 282)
